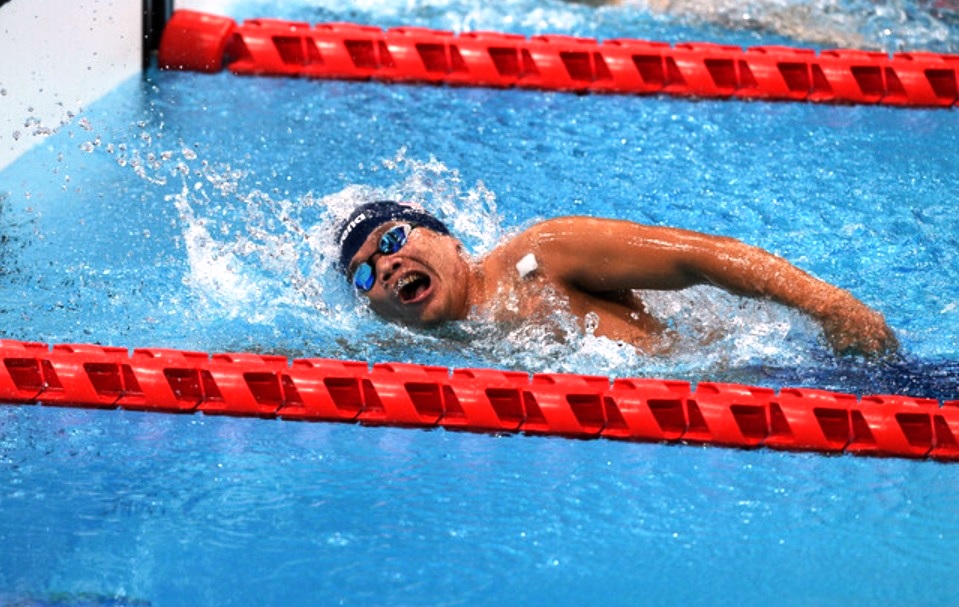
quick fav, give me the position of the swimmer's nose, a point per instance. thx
(386, 265)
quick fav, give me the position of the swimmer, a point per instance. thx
(412, 271)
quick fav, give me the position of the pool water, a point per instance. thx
(193, 211)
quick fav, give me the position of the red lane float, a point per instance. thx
(479, 400)
(202, 42)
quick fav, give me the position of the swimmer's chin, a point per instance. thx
(423, 322)
(470, 328)
(426, 324)
(445, 321)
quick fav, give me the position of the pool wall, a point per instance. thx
(58, 57)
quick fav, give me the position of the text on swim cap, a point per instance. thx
(349, 227)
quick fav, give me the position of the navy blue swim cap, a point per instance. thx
(363, 221)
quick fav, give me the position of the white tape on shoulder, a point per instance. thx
(527, 265)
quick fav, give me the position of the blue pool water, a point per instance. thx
(194, 212)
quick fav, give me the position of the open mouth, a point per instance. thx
(413, 287)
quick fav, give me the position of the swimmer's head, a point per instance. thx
(363, 221)
(405, 263)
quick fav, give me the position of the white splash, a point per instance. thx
(215, 274)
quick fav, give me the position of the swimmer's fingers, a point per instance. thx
(864, 333)
(873, 346)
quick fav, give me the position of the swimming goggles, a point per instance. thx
(392, 240)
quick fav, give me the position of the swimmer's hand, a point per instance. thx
(852, 327)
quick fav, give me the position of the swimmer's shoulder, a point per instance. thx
(546, 231)
(519, 245)
(530, 251)
(556, 236)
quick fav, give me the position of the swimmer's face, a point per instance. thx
(423, 284)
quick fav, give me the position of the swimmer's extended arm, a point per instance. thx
(603, 255)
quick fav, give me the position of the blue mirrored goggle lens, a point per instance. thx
(390, 242)
(393, 239)
(363, 277)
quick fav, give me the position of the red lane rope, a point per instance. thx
(203, 42)
(480, 400)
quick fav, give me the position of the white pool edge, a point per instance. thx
(56, 58)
